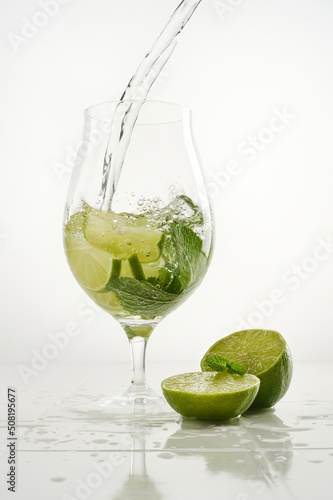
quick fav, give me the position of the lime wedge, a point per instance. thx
(123, 235)
(91, 266)
(264, 353)
(210, 396)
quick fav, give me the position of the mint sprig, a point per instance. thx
(220, 364)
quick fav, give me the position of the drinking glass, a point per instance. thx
(144, 252)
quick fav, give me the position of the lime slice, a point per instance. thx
(91, 266)
(210, 396)
(264, 353)
(123, 235)
(76, 222)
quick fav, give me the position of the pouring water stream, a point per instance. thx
(127, 111)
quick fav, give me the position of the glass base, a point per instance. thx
(138, 397)
(138, 401)
(138, 404)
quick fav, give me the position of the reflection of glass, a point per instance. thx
(138, 484)
(164, 456)
(144, 255)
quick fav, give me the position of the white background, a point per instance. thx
(237, 64)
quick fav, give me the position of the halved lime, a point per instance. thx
(210, 396)
(123, 235)
(264, 353)
(91, 266)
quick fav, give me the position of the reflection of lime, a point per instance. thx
(123, 235)
(210, 396)
(264, 353)
(91, 266)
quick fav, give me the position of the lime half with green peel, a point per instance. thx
(123, 235)
(263, 353)
(210, 396)
(91, 266)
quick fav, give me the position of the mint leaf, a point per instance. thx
(236, 368)
(175, 286)
(185, 248)
(217, 363)
(164, 277)
(220, 364)
(142, 298)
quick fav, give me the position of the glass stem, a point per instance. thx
(138, 356)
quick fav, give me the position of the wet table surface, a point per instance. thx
(67, 450)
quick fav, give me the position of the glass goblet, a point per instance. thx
(144, 252)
